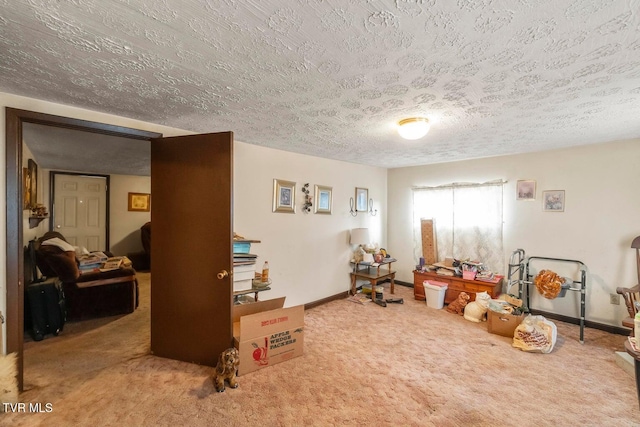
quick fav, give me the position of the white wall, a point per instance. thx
(124, 232)
(599, 222)
(308, 253)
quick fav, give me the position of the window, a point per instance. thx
(467, 220)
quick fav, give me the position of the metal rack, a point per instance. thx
(519, 273)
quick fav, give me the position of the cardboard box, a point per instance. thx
(265, 333)
(503, 324)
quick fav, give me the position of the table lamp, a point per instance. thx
(359, 236)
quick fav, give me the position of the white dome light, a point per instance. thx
(413, 128)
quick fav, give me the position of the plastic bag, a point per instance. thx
(535, 334)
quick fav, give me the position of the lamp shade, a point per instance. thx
(413, 128)
(359, 236)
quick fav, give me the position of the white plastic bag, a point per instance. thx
(535, 334)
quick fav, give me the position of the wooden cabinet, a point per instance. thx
(455, 285)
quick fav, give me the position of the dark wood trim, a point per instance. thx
(14, 118)
(52, 194)
(319, 302)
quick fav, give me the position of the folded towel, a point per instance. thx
(56, 241)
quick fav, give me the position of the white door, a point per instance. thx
(80, 210)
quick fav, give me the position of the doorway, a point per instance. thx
(14, 243)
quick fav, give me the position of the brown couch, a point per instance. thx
(88, 295)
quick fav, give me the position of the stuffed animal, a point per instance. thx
(476, 311)
(457, 306)
(226, 369)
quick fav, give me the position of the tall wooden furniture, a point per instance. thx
(455, 286)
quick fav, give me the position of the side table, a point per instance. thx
(373, 276)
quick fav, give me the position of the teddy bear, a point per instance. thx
(457, 306)
(226, 369)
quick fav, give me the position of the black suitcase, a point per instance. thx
(47, 308)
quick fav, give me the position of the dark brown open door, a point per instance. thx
(192, 232)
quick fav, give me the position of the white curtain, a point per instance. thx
(467, 220)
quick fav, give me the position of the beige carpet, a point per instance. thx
(403, 365)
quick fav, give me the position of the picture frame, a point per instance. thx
(553, 201)
(526, 189)
(32, 168)
(323, 199)
(26, 189)
(362, 199)
(139, 202)
(284, 196)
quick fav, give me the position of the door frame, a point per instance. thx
(14, 119)
(52, 196)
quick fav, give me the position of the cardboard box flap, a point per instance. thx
(270, 322)
(256, 307)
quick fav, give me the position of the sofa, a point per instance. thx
(88, 295)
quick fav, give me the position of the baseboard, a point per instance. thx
(345, 294)
(587, 323)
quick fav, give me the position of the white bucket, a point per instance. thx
(434, 293)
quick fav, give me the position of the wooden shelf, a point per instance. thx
(35, 220)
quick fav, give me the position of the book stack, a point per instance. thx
(91, 263)
(244, 267)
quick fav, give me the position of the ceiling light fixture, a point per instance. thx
(413, 128)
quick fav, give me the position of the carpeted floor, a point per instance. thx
(403, 365)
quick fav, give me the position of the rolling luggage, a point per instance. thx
(47, 308)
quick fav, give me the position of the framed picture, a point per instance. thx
(553, 201)
(26, 189)
(323, 199)
(284, 196)
(139, 202)
(526, 190)
(362, 199)
(32, 188)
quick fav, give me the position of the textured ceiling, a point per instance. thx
(330, 78)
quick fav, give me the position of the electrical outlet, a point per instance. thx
(614, 299)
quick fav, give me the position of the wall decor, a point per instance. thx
(306, 207)
(32, 167)
(139, 202)
(284, 196)
(526, 189)
(26, 189)
(323, 199)
(362, 199)
(553, 201)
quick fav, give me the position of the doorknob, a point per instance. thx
(57, 226)
(223, 274)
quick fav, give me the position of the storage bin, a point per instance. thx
(435, 292)
(469, 275)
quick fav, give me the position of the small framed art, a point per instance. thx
(284, 196)
(362, 199)
(553, 201)
(526, 189)
(139, 202)
(323, 196)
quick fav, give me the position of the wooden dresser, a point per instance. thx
(455, 286)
